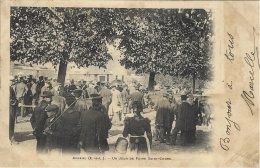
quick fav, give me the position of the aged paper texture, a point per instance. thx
(234, 93)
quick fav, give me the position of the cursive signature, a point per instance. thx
(229, 55)
(248, 96)
(225, 141)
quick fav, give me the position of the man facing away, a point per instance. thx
(184, 121)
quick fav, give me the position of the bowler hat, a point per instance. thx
(47, 94)
(52, 107)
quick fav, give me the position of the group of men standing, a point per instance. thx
(185, 114)
(72, 130)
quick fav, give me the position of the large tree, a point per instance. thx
(167, 41)
(61, 35)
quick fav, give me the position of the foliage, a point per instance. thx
(167, 41)
(41, 35)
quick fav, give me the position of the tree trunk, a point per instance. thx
(62, 76)
(62, 71)
(151, 81)
(193, 83)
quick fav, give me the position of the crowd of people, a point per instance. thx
(77, 118)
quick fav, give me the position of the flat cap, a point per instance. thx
(52, 107)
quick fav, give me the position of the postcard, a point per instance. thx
(129, 83)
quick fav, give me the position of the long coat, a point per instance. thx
(164, 114)
(185, 117)
(93, 131)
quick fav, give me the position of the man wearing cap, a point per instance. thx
(71, 127)
(81, 104)
(12, 112)
(38, 120)
(95, 125)
(184, 121)
(164, 115)
(53, 130)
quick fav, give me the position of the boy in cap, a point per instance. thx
(38, 120)
(53, 130)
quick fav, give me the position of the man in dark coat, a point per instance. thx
(95, 127)
(38, 120)
(164, 119)
(71, 127)
(53, 130)
(184, 121)
(12, 113)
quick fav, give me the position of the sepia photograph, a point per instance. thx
(129, 84)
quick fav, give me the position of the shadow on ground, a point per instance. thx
(24, 136)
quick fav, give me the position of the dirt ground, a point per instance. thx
(23, 134)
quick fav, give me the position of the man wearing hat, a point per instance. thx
(71, 127)
(38, 120)
(184, 121)
(164, 116)
(81, 104)
(95, 125)
(12, 112)
(53, 130)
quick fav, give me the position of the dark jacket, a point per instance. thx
(164, 114)
(136, 96)
(137, 126)
(93, 130)
(39, 118)
(185, 117)
(54, 140)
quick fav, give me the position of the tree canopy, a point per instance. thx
(167, 41)
(41, 35)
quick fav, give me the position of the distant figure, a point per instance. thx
(12, 112)
(135, 128)
(137, 95)
(59, 100)
(115, 108)
(106, 94)
(81, 104)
